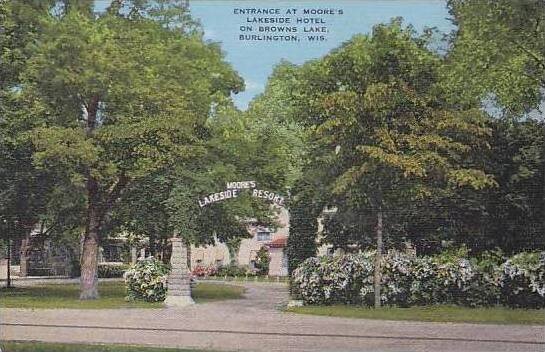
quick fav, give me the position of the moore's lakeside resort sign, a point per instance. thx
(235, 188)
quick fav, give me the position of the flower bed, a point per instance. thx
(202, 271)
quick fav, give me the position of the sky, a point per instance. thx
(255, 60)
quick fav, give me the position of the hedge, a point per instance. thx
(113, 270)
(448, 278)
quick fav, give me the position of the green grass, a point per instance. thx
(455, 314)
(58, 347)
(112, 295)
(205, 292)
(282, 279)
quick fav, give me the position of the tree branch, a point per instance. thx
(92, 110)
(536, 58)
(115, 190)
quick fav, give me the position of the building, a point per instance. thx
(274, 240)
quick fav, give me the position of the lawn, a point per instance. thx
(112, 295)
(57, 347)
(453, 314)
(273, 279)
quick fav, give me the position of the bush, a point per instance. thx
(448, 278)
(523, 280)
(262, 261)
(75, 267)
(339, 279)
(485, 288)
(233, 270)
(112, 270)
(147, 280)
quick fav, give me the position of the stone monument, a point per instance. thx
(179, 281)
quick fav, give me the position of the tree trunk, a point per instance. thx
(378, 259)
(167, 252)
(89, 258)
(8, 263)
(89, 255)
(543, 182)
(188, 247)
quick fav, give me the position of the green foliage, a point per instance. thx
(516, 209)
(262, 261)
(112, 270)
(523, 280)
(383, 138)
(304, 212)
(99, 104)
(498, 52)
(448, 278)
(235, 271)
(147, 280)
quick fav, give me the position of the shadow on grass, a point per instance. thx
(112, 295)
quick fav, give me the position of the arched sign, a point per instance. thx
(233, 190)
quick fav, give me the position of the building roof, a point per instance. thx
(278, 242)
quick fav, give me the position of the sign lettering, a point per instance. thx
(233, 189)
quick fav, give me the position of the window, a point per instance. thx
(263, 236)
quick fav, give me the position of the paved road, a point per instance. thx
(255, 324)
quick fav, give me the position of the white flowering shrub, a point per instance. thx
(339, 279)
(346, 277)
(485, 286)
(448, 278)
(523, 280)
(396, 279)
(147, 280)
(308, 282)
(452, 279)
(423, 285)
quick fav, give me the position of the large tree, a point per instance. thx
(497, 59)
(387, 134)
(121, 95)
(498, 53)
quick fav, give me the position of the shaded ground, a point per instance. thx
(255, 324)
(112, 295)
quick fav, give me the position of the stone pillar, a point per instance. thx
(179, 285)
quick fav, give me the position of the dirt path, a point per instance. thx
(255, 324)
